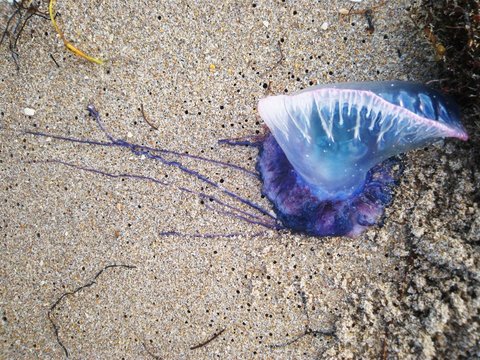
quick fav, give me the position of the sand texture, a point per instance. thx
(406, 290)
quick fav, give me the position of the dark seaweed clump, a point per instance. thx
(453, 28)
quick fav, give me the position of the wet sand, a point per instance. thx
(406, 290)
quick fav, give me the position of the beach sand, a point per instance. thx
(408, 289)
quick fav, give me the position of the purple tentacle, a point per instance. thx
(137, 151)
(100, 172)
(152, 179)
(207, 236)
(253, 140)
(120, 143)
(198, 176)
(95, 114)
(255, 222)
(214, 199)
(66, 138)
(147, 151)
(201, 158)
(260, 220)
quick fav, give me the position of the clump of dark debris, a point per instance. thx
(22, 12)
(453, 28)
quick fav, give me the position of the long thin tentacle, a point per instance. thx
(254, 222)
(253, 216)
(66, 138)
(198, 176)
(211, 198)
(142, 150)
(95, 114)
(121, 143)
(208, 236)
(101, 172)
(243, 141)
(157, 181)
(201, 158)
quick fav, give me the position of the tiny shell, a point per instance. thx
(29, 111)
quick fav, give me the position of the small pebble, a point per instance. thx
(29, 111)
(324, 26)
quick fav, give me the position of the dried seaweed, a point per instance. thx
(24, 11)
(51, 311)
(453, 28)
(213, 337)
(308, 331)
(67, 43)
(145, 117)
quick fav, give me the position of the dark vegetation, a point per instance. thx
(22, 12)
(453, 28)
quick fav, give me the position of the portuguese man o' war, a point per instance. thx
(328, 159)
(328, 164)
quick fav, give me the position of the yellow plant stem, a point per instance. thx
(67, 44)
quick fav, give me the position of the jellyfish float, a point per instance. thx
(328, 160)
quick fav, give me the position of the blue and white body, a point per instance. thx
(334, 135)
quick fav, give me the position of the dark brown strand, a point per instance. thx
(144, 116)
(308, 330)
(87, 285)
(55, 61)
(22, 14)
(209, 340)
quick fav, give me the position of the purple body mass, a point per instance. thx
(298, 208)
(329, 163)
